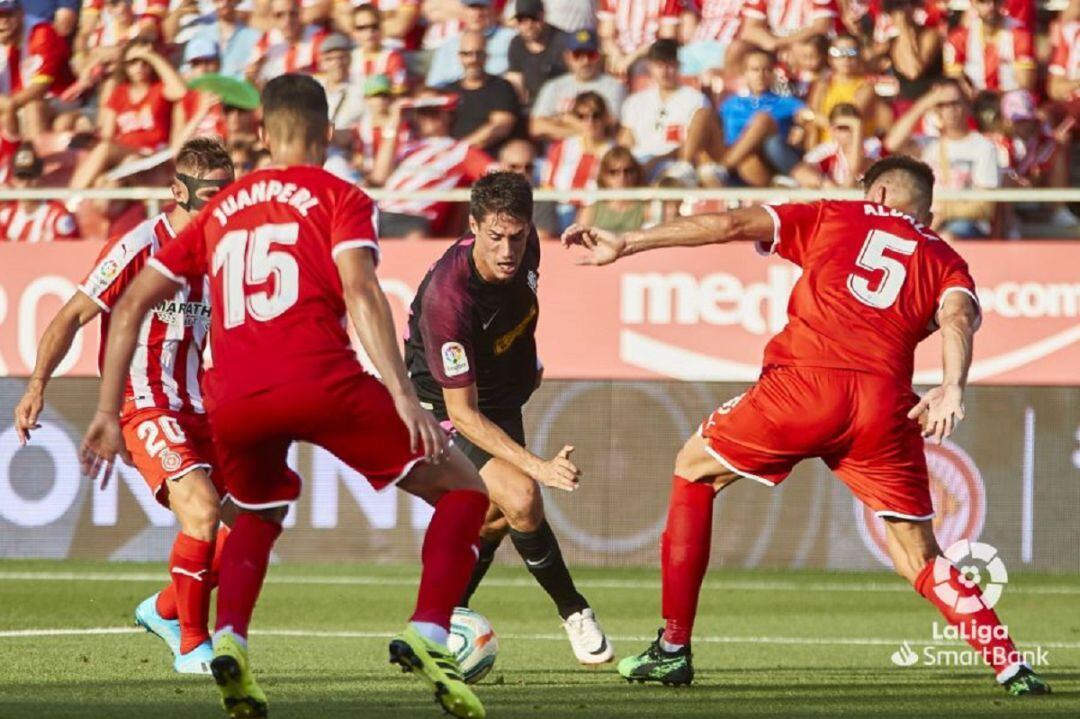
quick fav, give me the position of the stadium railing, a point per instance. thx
(155, 196)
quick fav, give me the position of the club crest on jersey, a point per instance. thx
(170, 461)
(454, 360)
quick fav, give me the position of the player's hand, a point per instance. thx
(604, 247)
(27, 412)
(559, 472)
(424, 430)
(939, 411)
(101, 446)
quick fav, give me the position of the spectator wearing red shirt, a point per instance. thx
(434, 161)
(1064, 81)
(105, 26)
(840, 161)
(992, 51)
(136, 119)
(775, 25)
(380, 124)
(628, 28)
(573, 162)
(33, 220)
(288, 46)
(371, 55)
(33, 65)
(907, 39)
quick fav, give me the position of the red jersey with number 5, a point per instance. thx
(873, 280)
(268, 244)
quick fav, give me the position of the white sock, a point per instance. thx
(227, 629)
(669, 647)
(432, 632)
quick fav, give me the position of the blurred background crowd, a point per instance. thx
(576, 94)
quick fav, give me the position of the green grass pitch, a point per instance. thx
(768, 643)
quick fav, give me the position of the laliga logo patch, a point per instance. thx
(455, 361)
(170, 461)
(976, 562)
(958, 494)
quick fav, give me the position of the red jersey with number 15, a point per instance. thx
(873, 280)
(268, 244)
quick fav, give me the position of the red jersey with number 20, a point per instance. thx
(873, 280)
(268, 244)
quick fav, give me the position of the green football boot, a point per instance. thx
(656, 665)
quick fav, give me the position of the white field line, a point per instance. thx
(341, 634)
(750, 585)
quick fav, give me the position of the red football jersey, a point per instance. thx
(268, 244)
(873, 279)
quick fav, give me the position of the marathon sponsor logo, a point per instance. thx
(288, 193)
(186, 313)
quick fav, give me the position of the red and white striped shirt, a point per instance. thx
(569, 166)
(8, 147)
(831, 162)
(369, 138)
(786, 17)
(439, 32)
(719, 20)
(279, 56)
(413, 37)
(387, 62)
(989, 59)
(166, 369)
(47, 222)
(112, 28)
(638, 22)
(436, 163)
(1065, 44)
(39, 57)
(1030, 159)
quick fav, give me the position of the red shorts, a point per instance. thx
(166, 444)
(354, 418)
(856, 422)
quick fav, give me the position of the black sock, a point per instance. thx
(542, 556)
(483, 564)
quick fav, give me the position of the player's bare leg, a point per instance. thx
(915, 554)
(684, 559)
(244, 560)
(517, 508)
(180, 612)
(457, 493)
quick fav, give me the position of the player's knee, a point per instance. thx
(688, 462)
(196, 504)
(524, 509)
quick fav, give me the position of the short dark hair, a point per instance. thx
(915, 169)
(501, 193)
(758, 50)
(664, 50)
(843, 109)
(294, 108)
(200, 156)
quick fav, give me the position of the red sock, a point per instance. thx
(451, 546)
(243, 568)
(684, 555)
(166, 602)
(219, 545)
(189, 565)
(981, 629)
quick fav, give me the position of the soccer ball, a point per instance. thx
(473, 642)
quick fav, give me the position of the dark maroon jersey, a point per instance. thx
(463, 330)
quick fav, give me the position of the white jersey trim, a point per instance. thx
(722, 460)
(157, 265)
(966, 291)
(771, 250)
(86, 291)
(355, 244)
(899, 515)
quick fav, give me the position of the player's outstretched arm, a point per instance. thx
(462, 405)
(53, 346)
(374, 324)
(944, 405)
(750, 223)
(103, 441)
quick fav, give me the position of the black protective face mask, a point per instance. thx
(193, 185)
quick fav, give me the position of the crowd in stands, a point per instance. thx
(576, 94)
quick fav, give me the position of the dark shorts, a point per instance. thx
(509, 423)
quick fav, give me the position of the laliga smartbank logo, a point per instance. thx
(976, 566)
